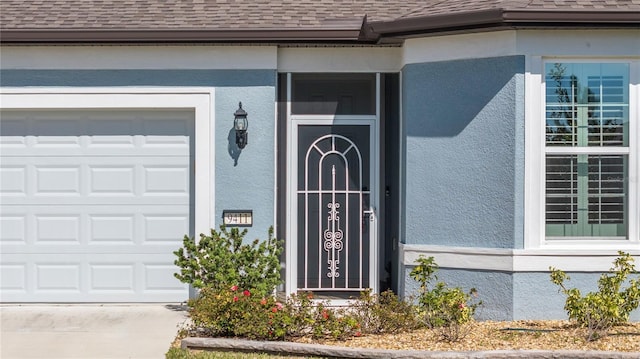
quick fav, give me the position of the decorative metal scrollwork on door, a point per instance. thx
(333, 234)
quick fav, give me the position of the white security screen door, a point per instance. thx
(335, 221)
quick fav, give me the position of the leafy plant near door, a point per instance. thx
(384, 313)
(222, 260)
(443, 308)
(610, 305)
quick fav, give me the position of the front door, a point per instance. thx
(333, 197)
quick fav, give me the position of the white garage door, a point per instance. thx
(93, 203)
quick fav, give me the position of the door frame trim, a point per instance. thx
(292, 123)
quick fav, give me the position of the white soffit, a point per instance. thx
(457, 47)
(139, 57)
(547, 43)
(340, 59)
(589, 43)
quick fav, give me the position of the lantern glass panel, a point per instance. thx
(240, 123)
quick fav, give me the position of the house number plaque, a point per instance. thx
(237, 218)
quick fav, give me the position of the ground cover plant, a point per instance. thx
(446, 309)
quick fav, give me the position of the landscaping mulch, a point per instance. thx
(491, 335)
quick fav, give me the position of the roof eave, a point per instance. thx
(173, 35)
(435, 22)
(500, 18)
(612, 17)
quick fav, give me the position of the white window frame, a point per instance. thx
(536, 151)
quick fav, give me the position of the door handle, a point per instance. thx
(371, 214)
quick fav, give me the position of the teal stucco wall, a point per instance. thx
(463, 131)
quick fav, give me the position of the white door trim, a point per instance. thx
(200, 99)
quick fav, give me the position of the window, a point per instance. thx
(333, 94)
(587, 156)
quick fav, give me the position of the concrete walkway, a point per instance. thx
(88, 331)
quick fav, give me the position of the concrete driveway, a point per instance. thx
(88, 330)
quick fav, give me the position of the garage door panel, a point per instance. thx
(151, 199)
(57, 228)
(57, 180)
(93, 204)
(97, 151)
(13, 180)
(98, 180)
(112, 277)
(96, 133)
(125, 278)
(113, 179)
(13, 278)
(33, 229)
(58, 277)
(13, 228)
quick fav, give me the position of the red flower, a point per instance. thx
(263, 301)
(310, 296)
(358, 334)
(234, 288)
(235, 298)
(325, 315)
(274, 309)
(246, 293)
(279, 305)
(461, 306)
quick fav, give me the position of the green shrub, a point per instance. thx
(441, 307)
(221, 260)
(610, 305)
(384, 313)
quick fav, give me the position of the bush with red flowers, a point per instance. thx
(238, 313)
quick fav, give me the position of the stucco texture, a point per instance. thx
(494, 290)
(243, 180)
(463, 130)
(535, 297)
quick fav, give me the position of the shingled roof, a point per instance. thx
(369, 21)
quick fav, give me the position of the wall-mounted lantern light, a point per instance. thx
(240, 124)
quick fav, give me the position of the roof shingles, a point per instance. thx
(257, 14)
